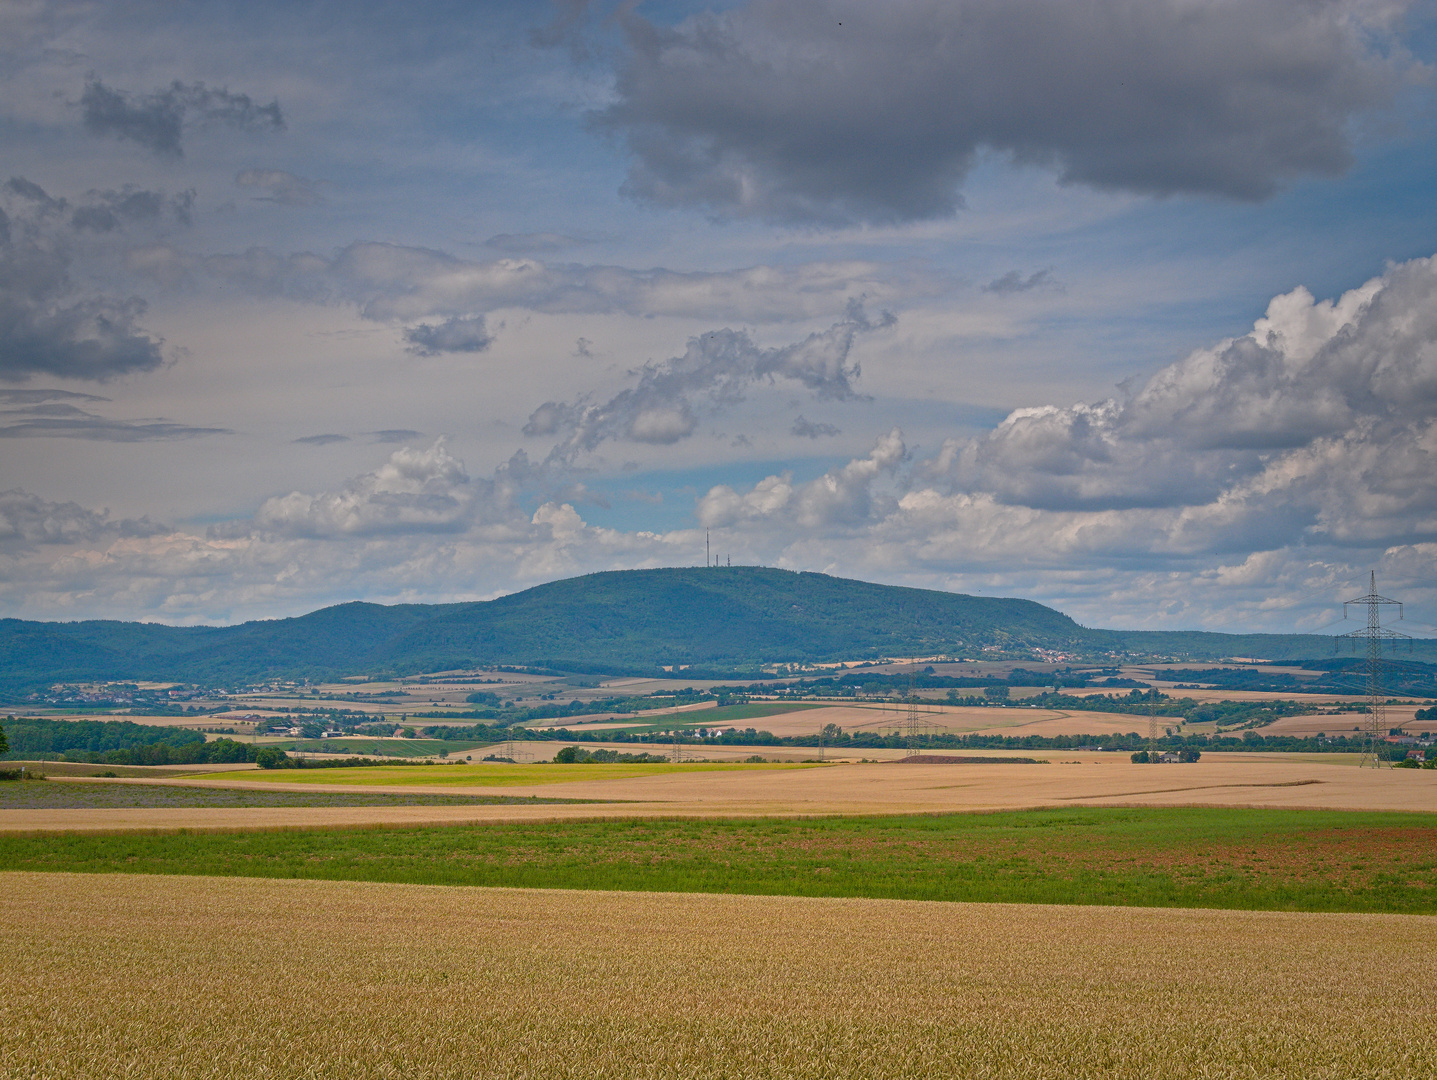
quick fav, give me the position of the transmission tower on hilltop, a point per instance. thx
(1374, 634)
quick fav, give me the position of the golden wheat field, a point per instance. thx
(129, 976)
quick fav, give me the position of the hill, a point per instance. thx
(637, 621)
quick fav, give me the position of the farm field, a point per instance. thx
(105, 796)
(1177, 857)
(358, 980)
(1063, 778)
(959, 719)
(487, 774)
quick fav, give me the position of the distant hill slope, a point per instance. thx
(627, 620)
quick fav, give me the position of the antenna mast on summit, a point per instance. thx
(1374, 634)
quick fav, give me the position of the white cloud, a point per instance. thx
(1161, 507)
(392, 282)
(414, 491)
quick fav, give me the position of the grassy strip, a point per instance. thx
(485, 775)
(1180, 857)
(693, 718)
(363, 746)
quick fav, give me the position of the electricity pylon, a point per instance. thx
(912, 712)
(1375, 634)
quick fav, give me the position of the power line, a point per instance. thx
(1374, 634)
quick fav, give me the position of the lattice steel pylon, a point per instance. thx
(676, 751)
(1374, 633)
(913, 721)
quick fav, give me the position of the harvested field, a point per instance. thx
(1318, 781)
(163, 977)
(1348, 723)
(82, 795)
(490, 775)
(960, 719)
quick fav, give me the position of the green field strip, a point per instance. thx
(693, 718)
(1170, 857)
(369, 747)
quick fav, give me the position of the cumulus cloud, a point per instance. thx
(279, 186)
(28, 521)
(840, 498)
(460, 334)
(839, 110)
(414, 491)
(716, 370)
(1260, 477)
(157, 120)
(1321, 424)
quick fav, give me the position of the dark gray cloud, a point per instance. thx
(96, 338)
(102, 211)
(807, 429)
(106, 211)
(1014, 282)
(461, 334)
(716, 371)
(157, 121)
(282, 187)
(320, 440)
(40, 396)
(395, 435)
(49, 418)
(33, 193)
(842, 110)
(47, 326)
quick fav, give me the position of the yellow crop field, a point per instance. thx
(125, 976)
(487, 775)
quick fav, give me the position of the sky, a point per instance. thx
(1125, 306)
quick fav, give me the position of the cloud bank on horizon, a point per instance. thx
(850, 293)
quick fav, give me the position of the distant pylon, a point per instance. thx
(913, 721)
(1374, 634)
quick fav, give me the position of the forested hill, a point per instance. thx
(622, 621)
